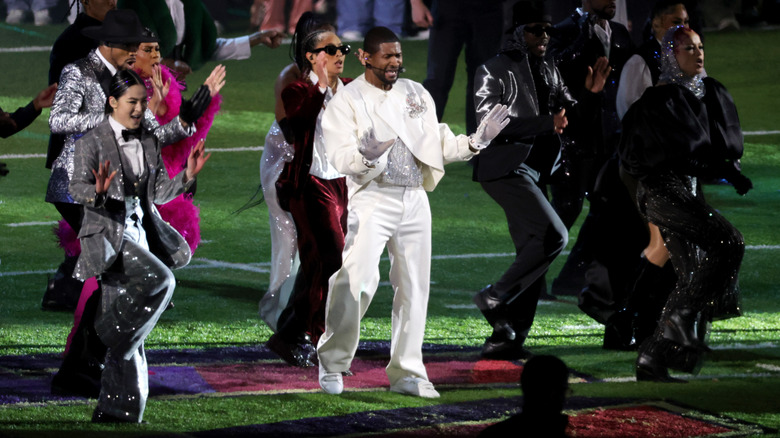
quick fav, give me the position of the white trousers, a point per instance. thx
(379, 216)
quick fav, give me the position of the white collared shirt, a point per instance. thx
(108, 65)
(132, 152)
(320, 166)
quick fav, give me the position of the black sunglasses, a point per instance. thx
(539, 30)
(331, 50)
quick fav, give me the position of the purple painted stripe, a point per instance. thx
(392, 419)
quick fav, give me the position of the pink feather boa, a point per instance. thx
(67, 238)
(181, 213)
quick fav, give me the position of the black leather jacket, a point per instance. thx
(507, 79)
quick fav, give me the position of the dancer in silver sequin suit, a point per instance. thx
(79, 106)
(118, 178)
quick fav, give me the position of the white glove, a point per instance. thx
(492, 124)
(371, 148)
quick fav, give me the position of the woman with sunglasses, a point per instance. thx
(685, 128)
(118, 177)
(277, 151)
(316, 194)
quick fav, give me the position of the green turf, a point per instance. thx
(216, 307)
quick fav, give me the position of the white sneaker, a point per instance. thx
(42, 17)
(352, 35)
(331, 383)
(15, 16)
(416, 386)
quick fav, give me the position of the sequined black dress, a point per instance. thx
(671, 139)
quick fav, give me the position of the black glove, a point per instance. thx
(192, 109)
(741, 183)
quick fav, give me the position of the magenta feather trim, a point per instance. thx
(181, 213)
(67, 239)
(183, 216)
(172, 100)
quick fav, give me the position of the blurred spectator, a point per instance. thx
(356, 17)
(18, 9)
(545, 384)
(476, 25)
(273, 17)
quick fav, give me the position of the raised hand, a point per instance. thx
(159, 92)
(597, 75)
(103, 178)
(320, 69)
(490, 126)
(196, 160)
(216, 80)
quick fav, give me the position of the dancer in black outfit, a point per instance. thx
(521, 159)
(683, 129)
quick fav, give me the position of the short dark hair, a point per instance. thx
(120, 82)
(376, 37)
(544, 376)
(662, 7)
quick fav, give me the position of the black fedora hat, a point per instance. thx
(530, 11)
(120, 26)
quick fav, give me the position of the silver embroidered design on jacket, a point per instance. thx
(415, 106)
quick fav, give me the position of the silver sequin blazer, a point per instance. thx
(104, 216)
(80, 105)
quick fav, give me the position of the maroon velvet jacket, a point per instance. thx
(302, 104)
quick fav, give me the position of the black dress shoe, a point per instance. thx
(82, 381)
(681, 327)
(300, 354)
(649, 370)
(99, 416)
(488, 304)
(62, 295)
(504, 350)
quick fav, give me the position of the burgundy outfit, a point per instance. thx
(319, 209)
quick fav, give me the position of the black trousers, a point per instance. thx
(457, 24)
(539, 236)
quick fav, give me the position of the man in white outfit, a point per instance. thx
(382, 133)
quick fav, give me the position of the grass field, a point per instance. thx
(216, 297)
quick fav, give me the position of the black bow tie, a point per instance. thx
(129, 134)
